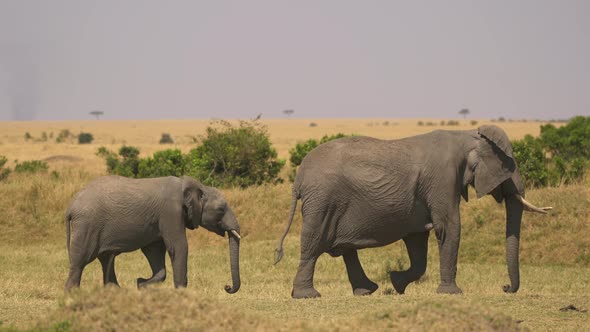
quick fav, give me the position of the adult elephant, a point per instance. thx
(115, 214)
(362, 192)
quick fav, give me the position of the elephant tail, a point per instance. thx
(279, 250)
(68, 230)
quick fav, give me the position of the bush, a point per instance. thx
(452, 123)
(570, 141)
(473, 123)
(420, 123)
(313, 124)
(31, 166)
(558, 156)
(166, 139)
(299, 151)
(235, 156)
(162, 163)
(63, 135)
(28, 136)
(125, 164)
(4, 172)
(85, 138)
(531, 161)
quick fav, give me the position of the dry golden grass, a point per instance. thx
(555, 252)
(284, 133)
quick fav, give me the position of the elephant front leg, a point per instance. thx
(156, 256)
(417, 246)
(178, 252)
(361, 284)
(448, 245)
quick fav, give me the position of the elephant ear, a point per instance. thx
(495, 163)
(193, 202)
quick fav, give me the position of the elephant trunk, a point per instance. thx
(514, 210)
(234, 254)
(230, 223)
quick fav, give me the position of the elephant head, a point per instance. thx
(491, 168)
(205, 206)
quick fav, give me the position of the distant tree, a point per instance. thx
(288, 112)
(166, 139)
(97, 114)
(464, 112)
(85, 138)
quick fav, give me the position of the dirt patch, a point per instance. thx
(63, 157)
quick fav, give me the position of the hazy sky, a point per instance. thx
(60, 59)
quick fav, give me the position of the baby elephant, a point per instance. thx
(115, 214)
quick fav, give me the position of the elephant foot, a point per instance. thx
(367, 288)
(112, 284)
(142, 283)
(451, 288)
(304, 293)
(156, 278)
(399, 281)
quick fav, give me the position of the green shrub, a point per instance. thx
(28, 136)
(531, 161)
(166, 139)
(63, 135)
(31, 166)
(235, 156)
(162, 163)
(558, 156)
(125, 164)
(85, 138)
(4, 172)
(300, 150)
(570, 141)
(110, 157)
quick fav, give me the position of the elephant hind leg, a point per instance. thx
(311, 249)
(77, 264)
(417, 246)
(82, 251)
(107, 261)
(156, 256)
(303, 284)
(361, 284)
(74, 277)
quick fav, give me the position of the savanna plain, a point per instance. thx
(555, 249)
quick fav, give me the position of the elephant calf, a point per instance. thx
(115, 214)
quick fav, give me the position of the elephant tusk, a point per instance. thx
(236, 234)
(530, 207)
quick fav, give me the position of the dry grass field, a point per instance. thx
(555, 250)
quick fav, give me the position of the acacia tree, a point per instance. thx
(464, 112)
(288, 112)
(97, 114)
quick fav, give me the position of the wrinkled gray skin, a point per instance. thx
(115, 214)
(362, 192)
